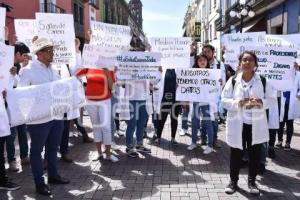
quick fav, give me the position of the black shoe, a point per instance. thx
(203, 143)
(231, 188)
(58, 180)
(279, 145)
(262, 169)
(43, 189)
(253, 189)
(287, 147)
(141, 148)
(244, 163)
(9, 186)
(131, 153)
(271, 152)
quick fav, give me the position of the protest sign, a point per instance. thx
(4, 122)
(59, 28)
(277, 65)
(235, 43)
(110, 35)
(2, 24)
(99, 57)
(46, 101)
(6, 62)
(197, 85)
(175, 52)
(133, 65)
(26, 29)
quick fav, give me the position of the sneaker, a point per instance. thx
(25, 161)
(13, 166)
(114, 146)
(182, 132)
(192, 147)
(112, 158)
(271, 152)
(287, 147)
(142, 149)
(9, 186)
(131, 153)
(253, 189)
(120, 133)
(231, 188)
(208, 150)
(279, 145)
(174, 142)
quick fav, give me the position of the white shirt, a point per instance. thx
(136, 90)
(247, 93)
(37, 73)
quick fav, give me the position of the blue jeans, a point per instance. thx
(206, 123)
(138, 119)
(184, 124)
(215, 128)
(64, 144)
(49, 135)
(23, 142)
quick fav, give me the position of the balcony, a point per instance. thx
(51, 8)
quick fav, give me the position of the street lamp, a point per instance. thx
(241, 10)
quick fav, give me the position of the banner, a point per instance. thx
(2, 24)
(110, 35)
(235, 43)
(277, 65)
(6, 62)
(4, 123)
(198, 85)
(59, 28)
(46, 101)
(99, 57)
(175, 52)
(133, 65)
(26, 29)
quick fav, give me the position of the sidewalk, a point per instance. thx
(170, 172)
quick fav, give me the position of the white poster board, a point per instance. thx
(134, 65)
(175, 52)
(25, 29)
(277, 65)
(6, 62)
(110, 35)
(59, 28)
(4, 122)
(235, 43)
(94, 56)
(49, 100)
(2, 24)
(198, 85)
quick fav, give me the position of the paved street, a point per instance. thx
(170, 172)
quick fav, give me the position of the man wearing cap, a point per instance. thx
(46, 132)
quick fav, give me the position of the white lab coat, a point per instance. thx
(230, 99)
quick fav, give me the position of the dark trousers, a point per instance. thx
(64, 144)
(272, 134)
(236, 156)
(49, 135)
(289, 126)
(117, 121)
(172, 108)
(3, 175)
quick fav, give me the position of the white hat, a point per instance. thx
(41, 43)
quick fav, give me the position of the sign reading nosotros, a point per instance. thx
(110, 35)
(175, 52)
(6, 62)
(59, 28)
(277, 65)
(197, 85)
(26, 29)
(2, 23)
(99, 57)
(138, 66)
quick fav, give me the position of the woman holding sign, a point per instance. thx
(246, 101)
(203, 109)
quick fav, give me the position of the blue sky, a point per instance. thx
(164, 17)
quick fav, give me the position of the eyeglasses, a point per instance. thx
(51, 50)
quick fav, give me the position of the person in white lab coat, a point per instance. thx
(247, 125)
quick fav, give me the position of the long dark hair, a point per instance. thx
(198, 57)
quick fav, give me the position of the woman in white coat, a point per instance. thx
(247, 125)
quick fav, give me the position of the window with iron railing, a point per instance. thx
(51, 8)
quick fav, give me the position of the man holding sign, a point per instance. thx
(45, 132)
